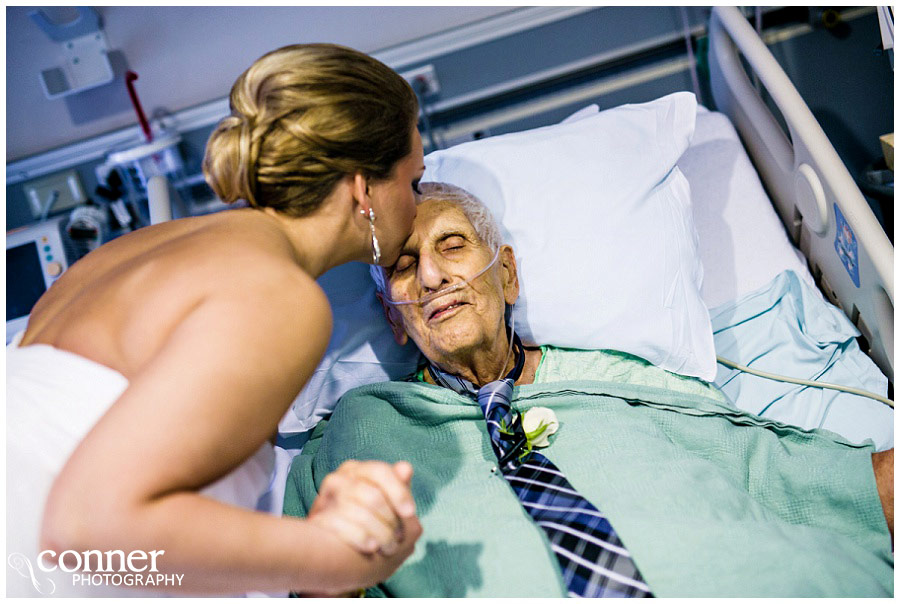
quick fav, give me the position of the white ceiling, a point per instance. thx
(185, 56)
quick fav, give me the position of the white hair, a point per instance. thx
(474, 209)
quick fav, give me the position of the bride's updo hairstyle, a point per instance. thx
(304, 116)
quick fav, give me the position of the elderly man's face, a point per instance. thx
(444, 250)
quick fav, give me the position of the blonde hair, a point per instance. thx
(304, 116)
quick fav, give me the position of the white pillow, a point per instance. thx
(600, 220)
(361, 351)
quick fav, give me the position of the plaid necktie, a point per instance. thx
(592, 558)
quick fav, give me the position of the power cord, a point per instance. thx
(814, 384)
(420, 89)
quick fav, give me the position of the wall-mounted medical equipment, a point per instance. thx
(87, 228)
(36, 256)
(425, 84)
(148, 169)
(53, 193)
(84, 63)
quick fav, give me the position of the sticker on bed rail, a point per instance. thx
(845, 246)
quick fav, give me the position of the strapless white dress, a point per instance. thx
(53, 398)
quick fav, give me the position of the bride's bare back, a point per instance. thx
(118, 305)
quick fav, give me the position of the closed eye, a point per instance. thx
(404, 263)
(415, 187)
(453, 242)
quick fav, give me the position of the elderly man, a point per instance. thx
(652, 484)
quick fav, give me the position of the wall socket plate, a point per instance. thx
(67, 186)
(423, 80)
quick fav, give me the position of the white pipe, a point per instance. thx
(158, 199)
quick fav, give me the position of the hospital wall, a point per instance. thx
(500, 69)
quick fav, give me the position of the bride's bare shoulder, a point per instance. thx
(234, 262)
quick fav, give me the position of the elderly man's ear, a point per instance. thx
(510, 275)
(394, 320)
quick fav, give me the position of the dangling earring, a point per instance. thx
(376, 250)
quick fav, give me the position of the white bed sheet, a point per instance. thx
(743, 244)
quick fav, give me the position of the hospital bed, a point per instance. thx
(763, 202)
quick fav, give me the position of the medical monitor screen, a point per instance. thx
(24, 280)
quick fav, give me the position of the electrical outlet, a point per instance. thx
(423, 80)
(61, 190)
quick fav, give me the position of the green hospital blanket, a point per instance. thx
(710, 500)
(565, 364)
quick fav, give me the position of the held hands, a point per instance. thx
(368, 505)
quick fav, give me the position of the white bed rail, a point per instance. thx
(824, 211)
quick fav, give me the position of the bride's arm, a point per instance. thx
(205, 403)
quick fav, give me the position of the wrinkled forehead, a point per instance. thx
(435, 219)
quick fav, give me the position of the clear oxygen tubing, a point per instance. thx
(447, 290)
(458, 286)
(814, 384)
(512, 332)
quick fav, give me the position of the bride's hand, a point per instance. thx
(366, 504)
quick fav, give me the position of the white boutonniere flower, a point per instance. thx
(539, 423)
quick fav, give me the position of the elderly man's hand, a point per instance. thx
(367, 504)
